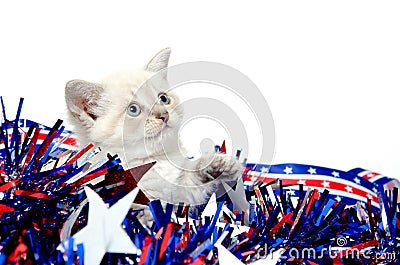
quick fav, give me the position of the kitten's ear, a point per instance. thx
(82, 100)
(159, 61)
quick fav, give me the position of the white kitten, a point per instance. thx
(131, 114)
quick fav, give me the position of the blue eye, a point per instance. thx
(164, 99)
(133, 110)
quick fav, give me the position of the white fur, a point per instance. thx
(99, 114)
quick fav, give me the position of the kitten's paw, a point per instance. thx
(221, 166)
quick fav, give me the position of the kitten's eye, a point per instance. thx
(133, 110)
(164, 99)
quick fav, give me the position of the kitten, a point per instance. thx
(141, 126)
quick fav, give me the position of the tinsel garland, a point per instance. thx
(43, 174)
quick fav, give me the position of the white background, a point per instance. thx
(329, 70)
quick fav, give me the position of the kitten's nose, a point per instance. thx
(164, 117)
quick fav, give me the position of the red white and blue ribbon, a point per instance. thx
(350, 186)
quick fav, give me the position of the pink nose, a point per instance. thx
(164, 117)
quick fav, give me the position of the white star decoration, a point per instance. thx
(288, 170)
(103, 232)
(338, 198)
(225, 257)
(357, 180)
(335, 174)
(312, 171)
(238, 198)
(326, 184)
(264, 170)
(211, 207)
(301, 181)
(349, 189)
(237, 229)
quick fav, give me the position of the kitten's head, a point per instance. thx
(129, 113)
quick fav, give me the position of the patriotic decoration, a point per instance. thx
(54, 200)
(66, 141)
(350, 186)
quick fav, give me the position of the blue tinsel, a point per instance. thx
(36, 200)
